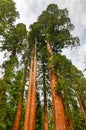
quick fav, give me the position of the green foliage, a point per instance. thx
(56, 27)
(8, 103)
(53, 26)
(8, 15)
(14, 39)
(72, 85)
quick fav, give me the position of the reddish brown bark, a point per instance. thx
(29, 123)
(33, 96)
(58, 108)
(27, 114)
(18, 114)
(19, 108)
(45, 113)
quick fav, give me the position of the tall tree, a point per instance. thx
(71, 81)
(20, 102)
(58, 108)
(8, 15)
(67, 83)
(56, 27)
(31, 99)
(14, 44)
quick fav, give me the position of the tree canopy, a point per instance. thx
(25, 83)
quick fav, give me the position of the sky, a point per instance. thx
(29, 11)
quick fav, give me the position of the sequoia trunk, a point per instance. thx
(58, 108)
(29, 123)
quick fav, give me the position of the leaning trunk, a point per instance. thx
(19, 108)
(18, 114)
(58, 108)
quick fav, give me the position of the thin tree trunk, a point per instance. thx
(58, 108)
(84, 104)
(69, 119)
(45, 112)
(46, 127)
(70, 124)
(19, 108)
(18, 114)
(29, 123)
(81, 107)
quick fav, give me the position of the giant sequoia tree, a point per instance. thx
(55, 26)
(41, 48)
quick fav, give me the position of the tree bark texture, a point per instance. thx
(29, 123)
(18, 114)
(58, 108)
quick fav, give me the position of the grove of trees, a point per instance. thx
(40, 89)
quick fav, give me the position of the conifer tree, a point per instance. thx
(20, 102)
(55, 26)
(30, 114)
(49, 35)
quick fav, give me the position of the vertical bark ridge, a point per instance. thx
(28, 105)
(29, 123)
(33, 96)
(58, 108)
